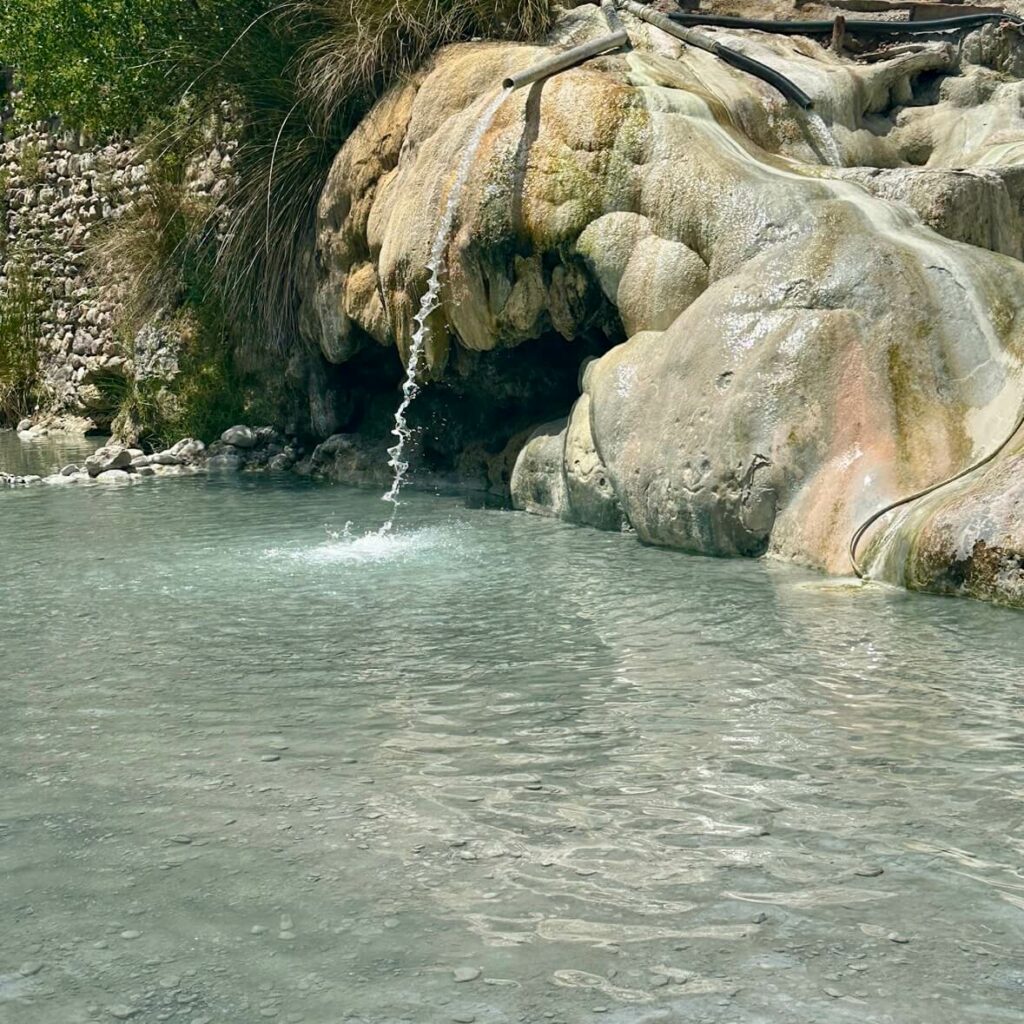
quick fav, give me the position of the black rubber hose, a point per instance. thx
(708, 43)
(857, 27)
(789, 89)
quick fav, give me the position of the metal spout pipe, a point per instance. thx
(611, 16)
(568, 59)
(703, 41)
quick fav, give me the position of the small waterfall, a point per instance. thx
(430, 302)
(821, 139)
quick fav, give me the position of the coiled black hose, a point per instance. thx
(865, 526)
(857, 27)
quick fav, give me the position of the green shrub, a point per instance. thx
(114, 66)
(210, 392)
(28, 165)
(111, 66)
(162, 248)
(164, 251)
(21, 385)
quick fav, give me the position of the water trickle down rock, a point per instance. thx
(430, 301)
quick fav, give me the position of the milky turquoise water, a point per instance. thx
(43, 455)
(253, 773)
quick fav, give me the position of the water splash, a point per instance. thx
(821, 139)
(430, 301)
(349, 547)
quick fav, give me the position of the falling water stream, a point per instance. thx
(430, 301)
(821, 139)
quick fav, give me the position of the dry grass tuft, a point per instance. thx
(368, 43)
(351, 51)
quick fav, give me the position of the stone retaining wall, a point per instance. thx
(56, 192)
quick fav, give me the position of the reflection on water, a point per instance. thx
(43, 455)
(497, 769)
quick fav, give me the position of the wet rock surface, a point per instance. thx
(263, 448)
(800, 343)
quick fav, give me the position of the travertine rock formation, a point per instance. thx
(784, 346)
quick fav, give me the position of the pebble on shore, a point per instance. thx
(239, 448)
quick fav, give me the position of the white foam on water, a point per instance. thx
(430, 301)
(374, 547)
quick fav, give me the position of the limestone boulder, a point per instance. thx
(188, 450)
(115, 476)
(538, 479)
(108, 459)
(591, 497)
(351, 459)
(239, 437)
(982, 206)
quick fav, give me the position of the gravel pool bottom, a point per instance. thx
(493, 768)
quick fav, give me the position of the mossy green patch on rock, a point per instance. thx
(21, 383)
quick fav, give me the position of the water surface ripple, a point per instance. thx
(255, 772)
